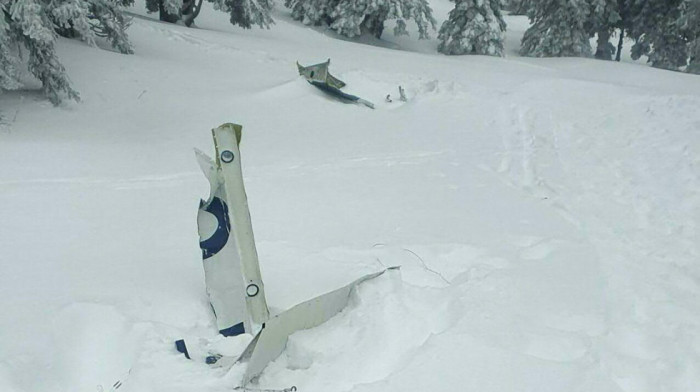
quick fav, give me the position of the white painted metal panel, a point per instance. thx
(226, 139)
(272, 339)
(222, 265)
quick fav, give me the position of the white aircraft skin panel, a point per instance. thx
(272, 340)
(222, 265)
(228, 159)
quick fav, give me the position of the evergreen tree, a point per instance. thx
(89, 19)
(517, 7)
(243, 13)
(110, 22)
(690, 24)
(312, 12)
(559, 28)
(658, 34)
(9, 63)
(29, 25)
(29, 29)
(353, 17)
(473, 27)
(169, 10)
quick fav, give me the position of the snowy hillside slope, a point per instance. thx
(545, 213)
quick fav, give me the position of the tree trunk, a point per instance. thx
(619, 45)
(68, 32)
(603, 51)
(374, 24)
(190, 11)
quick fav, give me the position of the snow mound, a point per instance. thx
(382, 329)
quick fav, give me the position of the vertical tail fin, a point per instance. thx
(226, 141)
(231, 270)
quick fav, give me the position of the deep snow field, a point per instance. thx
(545, 214)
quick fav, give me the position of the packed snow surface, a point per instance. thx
(545, 214)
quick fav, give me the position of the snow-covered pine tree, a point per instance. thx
(32, 26)
(29, 25)
(312, 12)
(172, 11)
(353, 17)
(111, 23)
(87, 19)
(168, 10)
(72, 20)
(473, 27)
(517, 7)
(658, 34)
(690, 25)
(559, 29)
(246, 13)
(604, 18)
(9, 62)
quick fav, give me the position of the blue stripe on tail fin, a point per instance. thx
(233, 331)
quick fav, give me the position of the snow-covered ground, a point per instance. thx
(545, 213)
